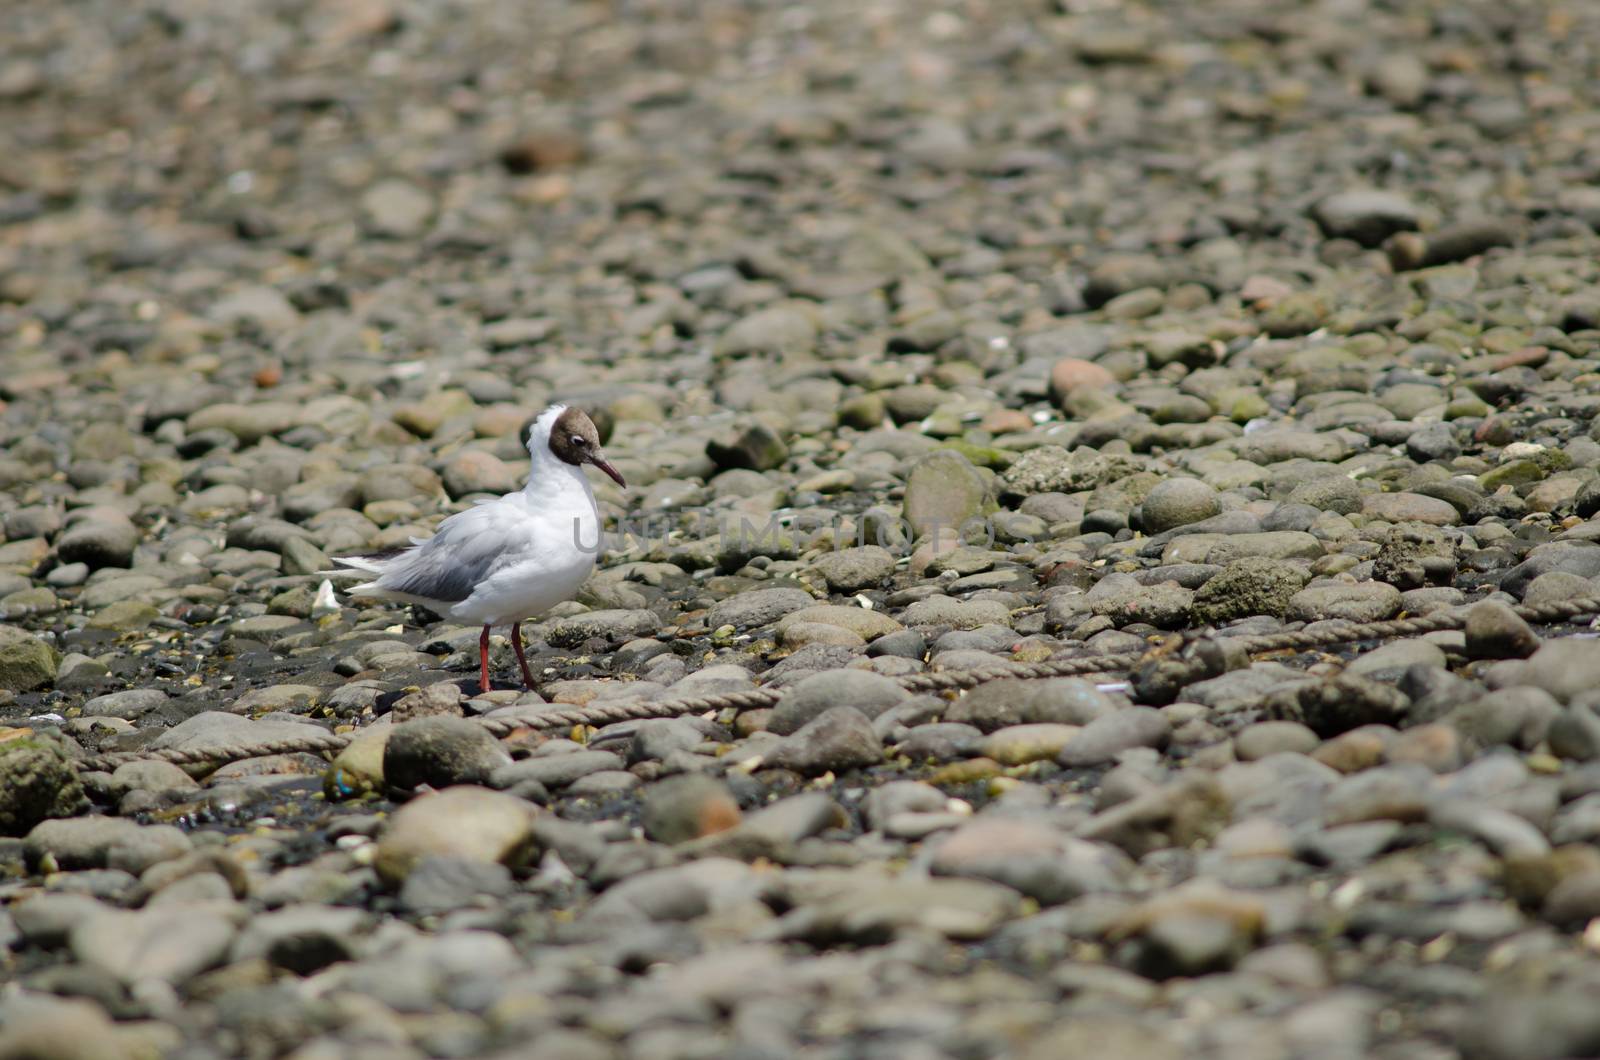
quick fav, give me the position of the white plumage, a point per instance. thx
(508, 558)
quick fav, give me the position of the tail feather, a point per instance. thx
(371, 563)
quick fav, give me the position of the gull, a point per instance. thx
(508, 558)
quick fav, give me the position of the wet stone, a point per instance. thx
(441, 751)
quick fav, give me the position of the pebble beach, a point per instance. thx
(930, 339)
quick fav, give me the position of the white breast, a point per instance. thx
(558, 526)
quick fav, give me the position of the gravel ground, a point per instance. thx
(1226, 316)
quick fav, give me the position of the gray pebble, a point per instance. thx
(618, 625)
(1178, 502)
(131, 703)
(105, 842)
(809, 698)
(99, 537)
(554, 770)
(757, 607)
(1362, 602)
(1032, 857)
(166, 945)
(1110, 734)
(997, 704)
(688, 807)
(839, 739)
(440, 884)
(302, 938)
(848, 570)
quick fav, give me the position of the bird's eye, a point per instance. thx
(579, 441)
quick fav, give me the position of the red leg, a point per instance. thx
(516, 642)
(483, 657)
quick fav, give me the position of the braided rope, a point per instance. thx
(1340, 632)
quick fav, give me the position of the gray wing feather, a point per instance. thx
(447, 567)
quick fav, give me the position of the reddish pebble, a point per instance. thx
(1072, 374)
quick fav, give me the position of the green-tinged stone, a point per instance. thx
(358, 769)
(26, 662)
(1513, 473)
(124, 616)
(944, 490)
(966, 772)
(981, 455)
(1466, 407)
(37, 782)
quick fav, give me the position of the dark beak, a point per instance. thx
(599, 461)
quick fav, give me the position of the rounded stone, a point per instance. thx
(465, 821)
(1110, 734)
(687, 807)
(850, 569)
(26, 662)
(1330, 493)
(839, 739)
(1274, 737)
(1178, 502)
(101, 537)
(37, 782)
(441, 751)
(757, 607)
(943, 492)
(1494, 631)
(870, 693)
(1363, 602)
